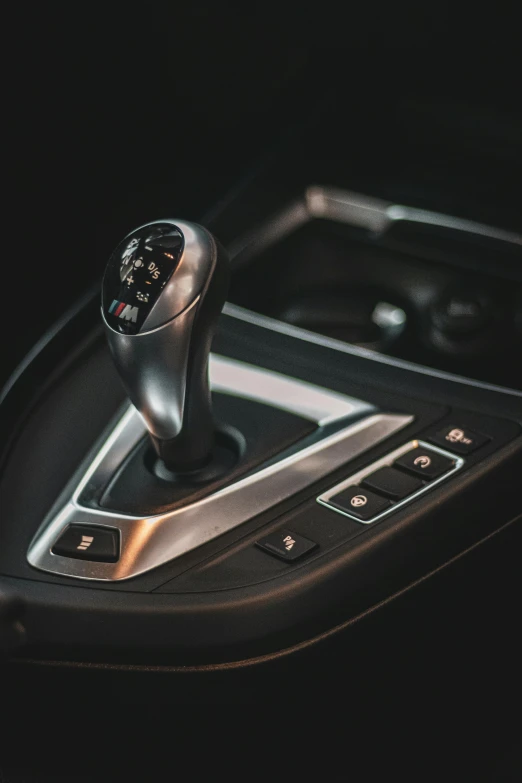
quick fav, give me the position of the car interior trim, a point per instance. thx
(243, 314)
(154, 540)
(301, 398)
(362, 211)
(356, 210)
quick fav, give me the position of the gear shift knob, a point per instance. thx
(163, 289)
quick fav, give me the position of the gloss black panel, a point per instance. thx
(137, 272)
(392, 483)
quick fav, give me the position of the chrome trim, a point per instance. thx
(348, 207)
(289, 394)
(242, 314)
(152, 541)
(189, 278)
(153, 368)
(352, 209)
(387, 461)
(378, 216)
(238, 379)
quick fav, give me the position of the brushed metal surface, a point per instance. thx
(153, 368)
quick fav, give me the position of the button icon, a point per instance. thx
(288, 542)
(352, 501)
(286, 545)
(85, 543)
(428, 465)
(154, 270)
(458, 436)
(463, 441)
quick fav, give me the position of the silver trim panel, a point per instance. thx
(152, 541)
(271, 388)
(387, 461)
(378, 216)
(352, 209)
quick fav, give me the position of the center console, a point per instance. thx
(341, 476)
(197, 484)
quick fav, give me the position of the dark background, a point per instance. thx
(115, 121)
(112, 122)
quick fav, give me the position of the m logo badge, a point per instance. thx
(125, 311)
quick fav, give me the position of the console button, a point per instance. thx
(359, 502)
(425, 463)
(85, 542)
(392, 483)
(287, 545)
(460, 440)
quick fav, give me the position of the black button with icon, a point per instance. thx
(287, 545)
(389, 483)
(461, 440)
(425, 463)
(360, 502)
(89, 542)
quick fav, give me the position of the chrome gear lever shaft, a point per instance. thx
(163, 290)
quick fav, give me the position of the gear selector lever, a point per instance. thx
(163, 290)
